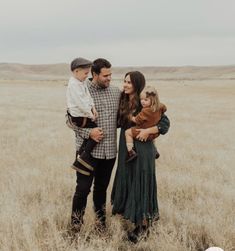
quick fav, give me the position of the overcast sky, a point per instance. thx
(127, 32)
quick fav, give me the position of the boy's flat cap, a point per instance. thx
(79, 62)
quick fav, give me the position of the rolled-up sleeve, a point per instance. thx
(83, 132)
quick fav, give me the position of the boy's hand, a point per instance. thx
(95, 113)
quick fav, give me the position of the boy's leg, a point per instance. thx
(82, 147)
(88, 145)
(76, 120)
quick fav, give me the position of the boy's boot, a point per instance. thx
(83, 169)
(85, 157)
(86, 160)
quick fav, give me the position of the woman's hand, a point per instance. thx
(96, 134)
(144, 133)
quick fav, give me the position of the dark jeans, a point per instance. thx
(101, 176)
(78, 121)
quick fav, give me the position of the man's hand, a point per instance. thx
(96, 134)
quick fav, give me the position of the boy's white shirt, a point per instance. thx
(79, 100)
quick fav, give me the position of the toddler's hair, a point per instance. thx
(151, 92)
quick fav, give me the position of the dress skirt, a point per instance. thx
(134, 193)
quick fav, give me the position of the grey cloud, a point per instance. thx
(32, 25)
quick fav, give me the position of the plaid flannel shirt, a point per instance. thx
(106, 103)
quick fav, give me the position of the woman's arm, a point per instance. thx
(163, 125)
(162, 128)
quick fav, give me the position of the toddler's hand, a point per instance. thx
(132, 118)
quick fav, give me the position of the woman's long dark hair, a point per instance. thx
(126, 107)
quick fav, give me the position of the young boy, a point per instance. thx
(81, 111)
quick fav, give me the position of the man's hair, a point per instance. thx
(98, 64)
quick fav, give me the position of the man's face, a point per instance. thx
(103, 79)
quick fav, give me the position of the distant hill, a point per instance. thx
(34, 72)
(10, 71)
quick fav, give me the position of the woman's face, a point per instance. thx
(128, 87)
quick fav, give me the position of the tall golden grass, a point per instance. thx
(195, 172)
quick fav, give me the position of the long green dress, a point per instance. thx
(134, 193)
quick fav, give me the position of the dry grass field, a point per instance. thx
(195, 172)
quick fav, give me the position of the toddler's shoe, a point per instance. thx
(131, 155)
(157, 155)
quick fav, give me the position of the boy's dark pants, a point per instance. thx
(88, 144)
(101, 176)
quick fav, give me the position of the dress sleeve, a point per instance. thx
(163, 125)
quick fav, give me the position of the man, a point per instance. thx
(106, 100)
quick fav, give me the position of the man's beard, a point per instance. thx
(102, 85)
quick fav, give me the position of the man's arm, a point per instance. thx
(83, 132)
(162, 128)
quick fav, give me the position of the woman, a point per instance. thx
(134, 193)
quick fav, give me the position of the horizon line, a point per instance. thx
(126, 66)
